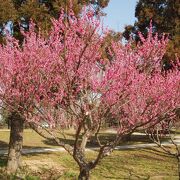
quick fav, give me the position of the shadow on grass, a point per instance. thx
(3, 144)
(104, 138)
(157, 151)
(3, 161)
(52, 142)
(24, 173)
(130, 175)
(151, 150)
(91, 143)
(177, 132)
(34, 154)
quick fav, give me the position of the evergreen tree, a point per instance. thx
(19, 12)
(165, 16)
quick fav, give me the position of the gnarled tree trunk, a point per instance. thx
(84, 174)
(178, 159)
(15, 143)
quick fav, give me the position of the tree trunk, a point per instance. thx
(85, 138)
(8, 122)
(178, 158)
(84, 174)
(15, 143)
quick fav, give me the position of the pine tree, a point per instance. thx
(165, 16)
(19, 12)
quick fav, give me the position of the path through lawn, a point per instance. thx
(122, 164)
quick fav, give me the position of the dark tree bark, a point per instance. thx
(15, 143)
(8, 122)
(178, 158)
(84, 173)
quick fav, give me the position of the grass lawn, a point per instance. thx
(124, 164)
(32, 139)
(128, 164)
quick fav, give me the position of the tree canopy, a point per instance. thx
(165, 19)
(65, 81)
(41, 11)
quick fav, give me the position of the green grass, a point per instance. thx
(32, 139)
(2, 161)
(129, 164)
(124, 164)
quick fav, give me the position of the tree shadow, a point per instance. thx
(3, 144)
(92, 142)
(36, 154)
(121, 165)
(3, 161)
(175, 132)
(52, 142)
(150, 150)
(157, 151)
(131, 175)
(103, 137)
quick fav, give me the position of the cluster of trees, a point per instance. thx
(165, 18)
(20, 12)
(76, 77)
(62, 80)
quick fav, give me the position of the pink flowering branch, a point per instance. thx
(60, 80)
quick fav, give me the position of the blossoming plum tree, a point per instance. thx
(64, 81)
